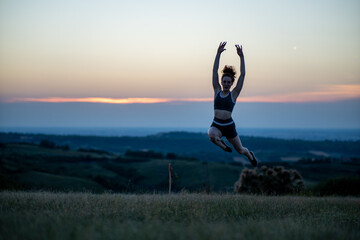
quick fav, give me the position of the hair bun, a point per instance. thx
(229, 71)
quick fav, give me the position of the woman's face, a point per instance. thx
(226, 83)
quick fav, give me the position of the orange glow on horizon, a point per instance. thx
(93, 100)
(327, 94)
(292, 98)
(110, 100)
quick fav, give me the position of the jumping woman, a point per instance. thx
(224, 102)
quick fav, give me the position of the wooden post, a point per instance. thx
(169, 178)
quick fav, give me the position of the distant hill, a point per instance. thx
(55, 167)
(197, 145)
(30, 166)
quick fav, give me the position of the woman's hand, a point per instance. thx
(221, 47)
(239, 50)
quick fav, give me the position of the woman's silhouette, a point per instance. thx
(224, 102)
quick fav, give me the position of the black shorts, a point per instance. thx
(226, 127)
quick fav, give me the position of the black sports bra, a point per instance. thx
(224, 103)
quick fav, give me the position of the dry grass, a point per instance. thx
(46, 215)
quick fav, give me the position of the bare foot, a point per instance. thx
(254, 161)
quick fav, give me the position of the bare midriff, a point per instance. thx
(222, 114)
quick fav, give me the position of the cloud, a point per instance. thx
(325, 93)
(92, 100)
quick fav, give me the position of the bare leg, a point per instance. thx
(215, 137)
(236, 142)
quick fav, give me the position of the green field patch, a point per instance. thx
(42, 180)
(36, 150)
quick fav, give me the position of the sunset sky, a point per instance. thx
(152, 52)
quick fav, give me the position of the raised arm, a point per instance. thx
(240, 81)
(215, 79)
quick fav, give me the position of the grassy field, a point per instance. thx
(46, 215)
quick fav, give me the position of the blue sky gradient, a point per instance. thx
(295, 51)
